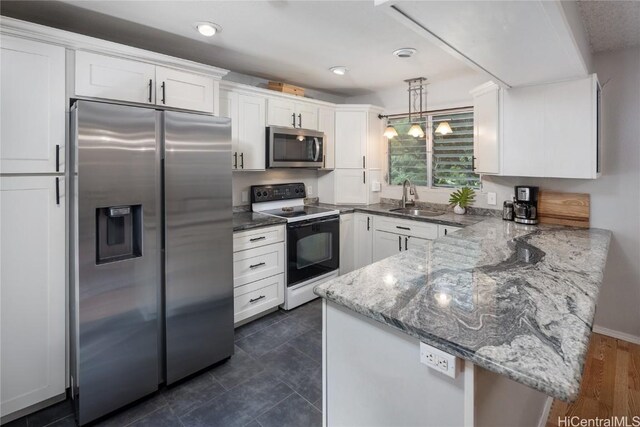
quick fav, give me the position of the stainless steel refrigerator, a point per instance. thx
(151, 255)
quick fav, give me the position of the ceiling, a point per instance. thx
(292, 41)
(611, 25)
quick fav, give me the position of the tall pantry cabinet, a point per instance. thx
(32, 223)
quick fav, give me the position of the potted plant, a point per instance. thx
(461, 199)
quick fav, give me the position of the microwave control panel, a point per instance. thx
(268, 193)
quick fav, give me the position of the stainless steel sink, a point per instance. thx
(416, 212)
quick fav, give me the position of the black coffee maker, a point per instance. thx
(525, 204)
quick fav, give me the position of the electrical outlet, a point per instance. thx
(491, 198)
(439, 360)
(309, 190)
(244, 196)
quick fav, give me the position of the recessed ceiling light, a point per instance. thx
(208, 29)
(405, 52)
(340, 70)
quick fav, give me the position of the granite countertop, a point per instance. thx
(516, 300)
(248, 220)
(447, 218)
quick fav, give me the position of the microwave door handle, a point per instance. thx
(317, 144)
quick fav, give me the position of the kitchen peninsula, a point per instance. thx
(516, 303)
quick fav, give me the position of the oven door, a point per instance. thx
(313, 248)
(295, 148)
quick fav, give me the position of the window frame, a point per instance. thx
(429, 146)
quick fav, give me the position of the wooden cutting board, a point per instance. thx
(571, 209)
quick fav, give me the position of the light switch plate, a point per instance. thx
(491, 198)
(244, 196)
(309, 190)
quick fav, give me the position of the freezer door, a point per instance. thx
(198, 242)
(115, 289)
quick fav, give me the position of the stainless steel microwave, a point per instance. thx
(294, 148)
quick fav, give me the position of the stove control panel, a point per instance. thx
(269, 193)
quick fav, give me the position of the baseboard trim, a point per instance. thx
(545, 412)
(616, 334)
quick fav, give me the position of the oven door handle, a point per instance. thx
(317, 144)
(312, 222)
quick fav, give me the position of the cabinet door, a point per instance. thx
(101, 76)
(523, 150)
(306, 116)
(281, 112)
(180, 89)
(386, 244)
(229, 109)
(251, 133)
(486, 132)
(32, 326)
(327, 124)
(351, 187)
(346, 243)
(363, 240)
(410, 242)
(32, 107)
(351, 139)
(570, 144)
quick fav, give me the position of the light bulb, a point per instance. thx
(444, 128)
(208, 29)
(390, 132)
(416, 131)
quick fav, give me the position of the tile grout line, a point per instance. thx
(307, 400)
(273, 406)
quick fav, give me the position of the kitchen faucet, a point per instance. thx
(404, 202)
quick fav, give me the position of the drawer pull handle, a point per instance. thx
(403, 228)
(260, 264)
(255, 239)
(257, 299)
(399, 243)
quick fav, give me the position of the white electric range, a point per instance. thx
(313, 238)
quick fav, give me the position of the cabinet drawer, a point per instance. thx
(256, 238)
(406, 227)
(257, 297)
(445, 230)
(258, 263)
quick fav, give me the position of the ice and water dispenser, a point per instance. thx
(118, 233)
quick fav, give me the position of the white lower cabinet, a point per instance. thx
(363, 240)
(346, 243)
(445, 230)
(32, 278)
(258, 296)
(258, 271)
(385, 244)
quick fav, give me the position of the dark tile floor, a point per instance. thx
(273, 379)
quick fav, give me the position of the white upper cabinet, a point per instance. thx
(32, 330)
(289, 113)
(101, 76)
(248, 128)
(547, 131)
(486, 128)
(552, 130)
(351, 186)
(180, 89)
(327, 125)
(351, 139)
(32, 107)
(251, 132)
(107, 77)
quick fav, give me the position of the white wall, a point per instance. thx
(243, 180)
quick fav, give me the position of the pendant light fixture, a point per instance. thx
(390, 132)
(416, 89)
(444, 128)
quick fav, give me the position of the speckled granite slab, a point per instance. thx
(248, 220)
(516, 300)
